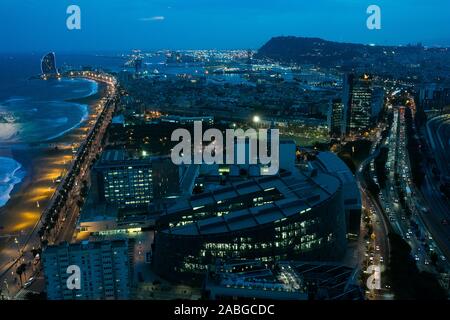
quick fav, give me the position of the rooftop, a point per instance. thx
(284, 280)
(332, 164)
(86, 245)
(300, 192)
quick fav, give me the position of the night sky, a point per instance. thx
(111, 25)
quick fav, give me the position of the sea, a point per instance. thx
(34, 110)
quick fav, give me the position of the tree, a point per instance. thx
(433, 258)
(197, 189)
(21, 270)
(380, 166)
(408, 283)
(35, 296)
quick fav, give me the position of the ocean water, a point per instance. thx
(39, 110)
(11, 173)
(33, 110)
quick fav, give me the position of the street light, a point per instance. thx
(17, 243)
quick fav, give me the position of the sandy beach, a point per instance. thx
(43, 162)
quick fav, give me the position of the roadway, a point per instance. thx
(68, 226)
(377, 248)
(422, 231)
(411, 228)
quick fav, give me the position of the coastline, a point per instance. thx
(43, 162)
(85, 105)
(9, 178)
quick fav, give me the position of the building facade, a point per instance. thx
(332, 164)
(294, 215)
(105, 270)
(335, 117)
(134, 182)
(285, 280)
(357, 103)
(48, 64)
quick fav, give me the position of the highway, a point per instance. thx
(416, 229)
(399, 184)
(423, 232)
(71, 209)
(377, 248)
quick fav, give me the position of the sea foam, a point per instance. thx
(10, 175)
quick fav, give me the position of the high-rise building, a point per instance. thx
(357, 102)
(134, 182)
(335, 117)
(105, 270)
(433, 96)
(48, 64)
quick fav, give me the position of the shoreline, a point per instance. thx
(85, 104)
(43, 162)
(12, 131)
(12, 178)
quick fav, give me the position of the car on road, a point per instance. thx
(29, 282)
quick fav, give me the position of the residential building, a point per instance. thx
(105, 270)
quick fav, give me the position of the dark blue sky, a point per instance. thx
(40, 25)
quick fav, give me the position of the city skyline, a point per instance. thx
(224, 150)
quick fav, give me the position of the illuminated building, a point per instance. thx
(292, 215)
(433, 96)
(104, 266)
(48, 64)
(209, 120)
(335, 117)
(357, 103)
(293, 280)
(134, 182)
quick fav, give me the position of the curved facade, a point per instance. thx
(48, 64)
(307, 222)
